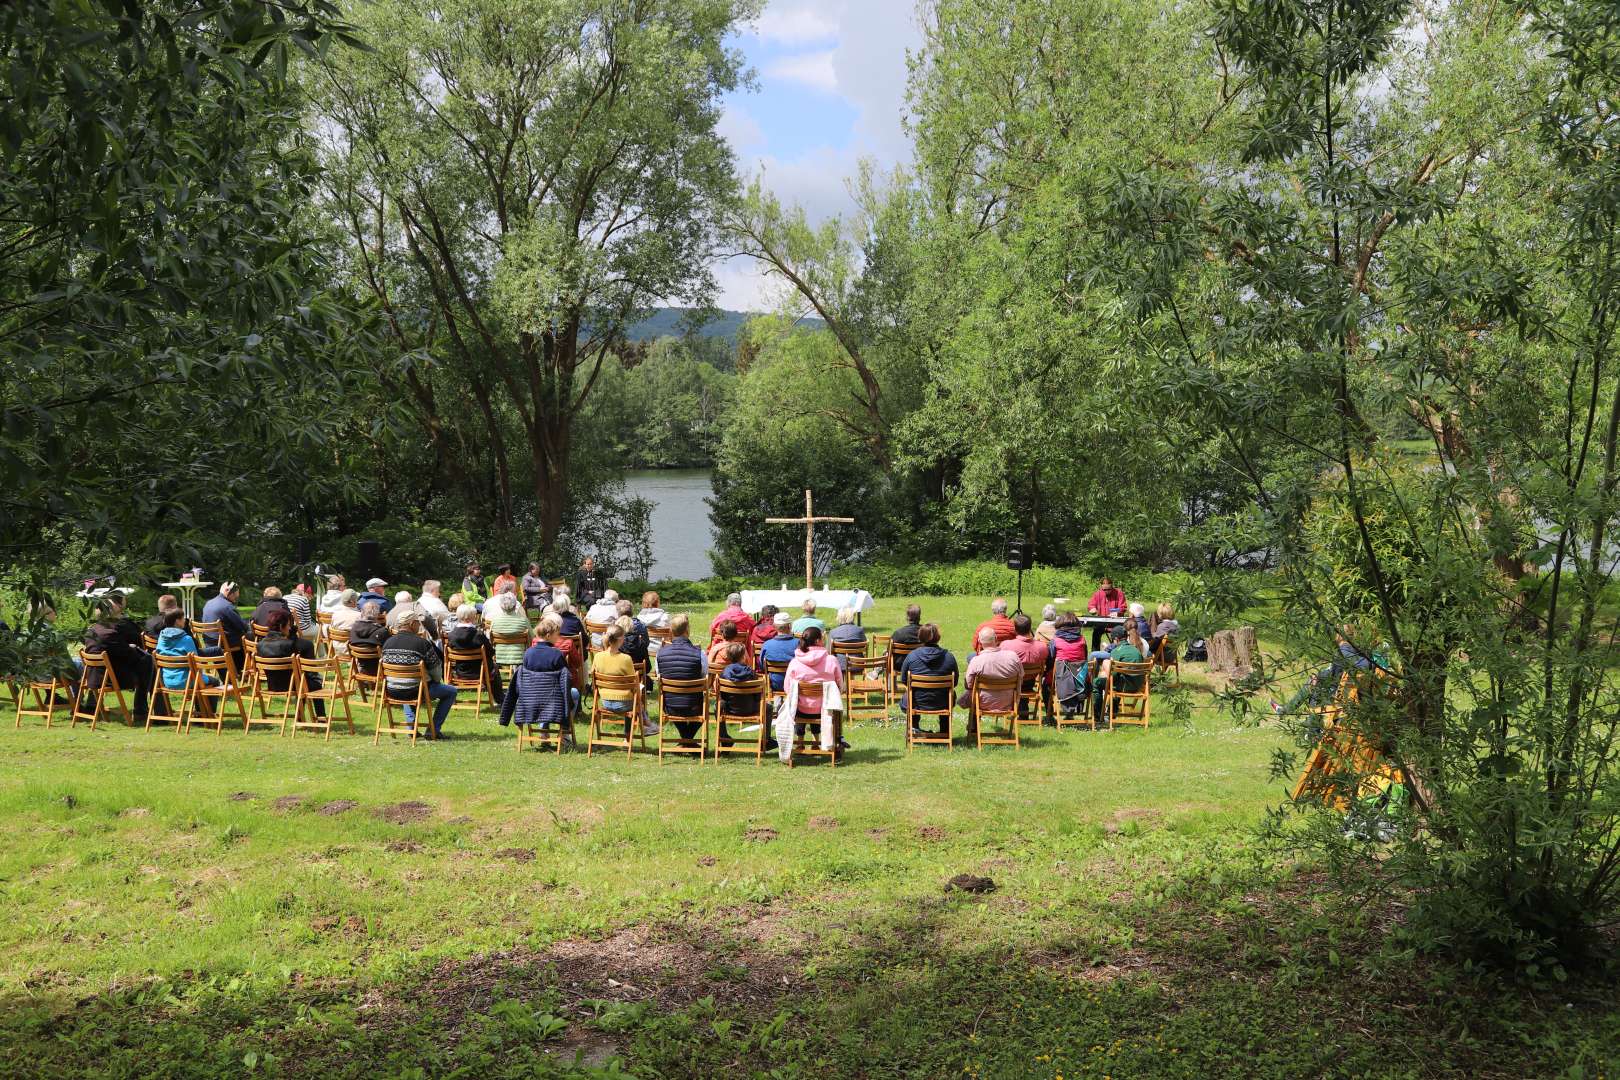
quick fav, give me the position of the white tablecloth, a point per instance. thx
(791, 599)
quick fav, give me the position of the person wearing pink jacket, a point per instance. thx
(811, 668)
(1107, 600)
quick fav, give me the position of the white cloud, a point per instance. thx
(795, 26)
(738, 127)
(813, 69)
(869, 65)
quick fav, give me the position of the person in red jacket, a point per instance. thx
(997, 622)
(736, 615)
(1107, 600)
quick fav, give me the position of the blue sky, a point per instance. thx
(831, 90)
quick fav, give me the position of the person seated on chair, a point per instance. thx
(808, 619)
(374, 594)
(118, 638)
(572, 625)
(588, 585)
(542, 691)
(175, 641)
(298, 602)
(907, 634)
(368, 629)
(680, 659)
(1047, 630)
(465, 636)
(1128, 646)
(780, 649)
(505, 580)
(408, 646)
(738, 671)
(346, 612)
(1024, 644)
(997, 622)
(735, 614)
(335, 586)
(222, 609)
(929, 659)
(1107, 601)
(403, 605)
(1163, 625)
(811, 669)
(604, 610)
(505, 616)
(279, 644)
(652, 616)
(472, 586)
(724, 637)
(613, 661)
(764, 629)
(156, 624)
(637, 642)
(846, 631)
(536, 591)
(433, 605)
(992, 662)
(270, 600)
(1137, 614)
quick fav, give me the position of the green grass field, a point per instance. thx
(201, 905)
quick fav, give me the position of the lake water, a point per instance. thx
(681, 532)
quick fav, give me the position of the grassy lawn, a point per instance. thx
(192, 906)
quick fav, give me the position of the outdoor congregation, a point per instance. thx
(545, 654)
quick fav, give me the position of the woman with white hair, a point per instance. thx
(1047, 630)
(465, 636)
(1139, 619)
(505, 615)
(846, 631)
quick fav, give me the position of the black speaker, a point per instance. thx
(1020, 555)
(306, 549)
(369, 555)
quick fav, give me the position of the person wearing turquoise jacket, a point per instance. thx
(174, 641)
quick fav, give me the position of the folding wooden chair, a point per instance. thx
(160, 707)
(898, 651)
(634, 729)
(323, 633)
(362, 656)
(148, 642)
(225, 688)
(593, 635)
(1033, 693)
(262, 694)
(866, 678)
(807, 745)
(880, 644)
(43, 693)
(946, 683)
(106, 683)
(849, 648)
(335, 690)
(660, 634)
(387, 702)
(776, 672)
(337, 643)
(1006, 735)
(1167, 656)
(1122, 705)
(1084, 717)
(518, 638)
(666, 723)
(760, 687)
(477, 683)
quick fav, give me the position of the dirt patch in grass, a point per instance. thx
(404, 847)
(350, 926)
(931, 833)
(877, 834)
(707, 860)
(135, 812)
(241, 796)
(822, 824)
(970, 883)
(405, 813)
(337, 806)
(759, 834)
(516, 854)
(288, 802)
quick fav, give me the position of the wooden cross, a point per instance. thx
(809, 522)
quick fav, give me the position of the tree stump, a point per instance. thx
(1233, 652)
(1221, 650)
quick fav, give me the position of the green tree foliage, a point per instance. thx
(166, 331)
(668, 412)
(520, 181)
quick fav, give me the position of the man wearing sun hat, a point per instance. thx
(374, 592)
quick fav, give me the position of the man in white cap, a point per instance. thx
(374, 594)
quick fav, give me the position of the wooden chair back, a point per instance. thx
(208, 702)
(867, 677)
(361, 657)
(334, 691)
(598, 734)
(149, 641)
(263, 693)
(1032, 693)
(880, 643)
(209, 635)
(387, 702)
(105, 682)
(160, 704)
(898, 651)
(849, 648)
(1127, 706)
(1166, 656)
(945, 683)
(660, 634)
(727, 690)
(777, 668)
(337, 639)
(666, 727)
(43, 694)
(477, 683)
(1007, 733)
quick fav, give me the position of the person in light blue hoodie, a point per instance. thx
(174, 641)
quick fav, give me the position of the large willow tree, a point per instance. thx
(519, 180)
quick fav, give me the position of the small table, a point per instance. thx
(188, 591)
(1099, 623)
(793, 599)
